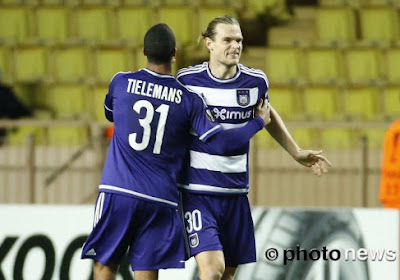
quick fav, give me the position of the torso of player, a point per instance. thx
(232, 102)
(151, 136)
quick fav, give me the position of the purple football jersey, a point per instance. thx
(232, 102)
(151, 111)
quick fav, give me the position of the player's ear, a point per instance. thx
(173, 59)
(209, 43)
(144, 52)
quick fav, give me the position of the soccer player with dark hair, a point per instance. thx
(216, 208)
(137, 205)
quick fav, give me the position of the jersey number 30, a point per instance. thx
(194, 221)
(145, 124)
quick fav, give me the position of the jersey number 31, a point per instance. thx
(145, 124)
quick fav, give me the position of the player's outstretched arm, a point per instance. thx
(309, 158)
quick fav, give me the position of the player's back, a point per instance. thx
(151, 115)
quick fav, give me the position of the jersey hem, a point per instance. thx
(149, 198)
(219, 191)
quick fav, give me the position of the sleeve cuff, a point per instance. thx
(259, 122)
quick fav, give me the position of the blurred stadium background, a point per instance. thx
(333, 67)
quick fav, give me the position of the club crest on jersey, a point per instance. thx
(243, 97)
(194, 240)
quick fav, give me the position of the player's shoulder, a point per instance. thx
(119, 75)
(256, 73)
(191, 70)
(186, 90)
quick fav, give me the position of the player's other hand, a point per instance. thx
(313, 159)
(263, 110)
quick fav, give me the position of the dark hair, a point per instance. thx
(210, 30)
(159, 44)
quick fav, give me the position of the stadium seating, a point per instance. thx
(283, 64)
(305, 137)
(207, 13)
(52, 23)
(71, 63)
(18, 21)
(341, 3)
(60, 2)
(336, 24)
(97, 97)
(337, 138)
(133, 23)
(321, 103)
(108, 61)
(5, 63)
(277, 8)
(183, 27)
(31, 63)
(264, 140)
(379, 24)
(68, 101)
(135, 2)
(94, 24)
(392, 3)
(324, 65)
(94, 2)
(360, 103)
(285, 101)
(391, 101)
(228, 3)
(40, 43)
(392, 65)
(363, 65)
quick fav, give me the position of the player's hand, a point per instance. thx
(313, 159)
(263, 110)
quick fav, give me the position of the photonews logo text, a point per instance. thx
(347, 254)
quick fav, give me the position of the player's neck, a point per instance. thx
(222, 71)
(160, 68)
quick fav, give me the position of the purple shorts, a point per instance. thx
(152, 232)
(220, 223)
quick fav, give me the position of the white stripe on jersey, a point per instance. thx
(98, 209)
(108, 109)
(226, 164)
(198, 187)
(232, 125)
(192, 69)
(117, 189)
(157, 74)
(121, 72)
(224, 97)
(256, 73)
(208, 132)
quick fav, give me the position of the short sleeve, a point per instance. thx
(108, 102)
(265, 87)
